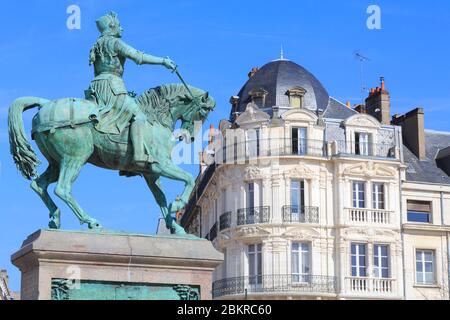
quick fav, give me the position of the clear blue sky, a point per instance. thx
(215, 44)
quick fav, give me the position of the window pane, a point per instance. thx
(429, 278)
(354, 272)
(295, 263)
(362, 260)
(362, 272)
(428, 267)
(418, 217)
(385, 273)
(428, 256)
(362, 249)
(353, 249)
(419, 267)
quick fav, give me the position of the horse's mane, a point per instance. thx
(156, 102)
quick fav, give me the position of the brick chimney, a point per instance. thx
(378, 103)
(360, 108)
(413, 131)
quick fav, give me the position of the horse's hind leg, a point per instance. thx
(70, 169)
(40, 185)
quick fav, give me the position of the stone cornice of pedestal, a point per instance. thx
(111, 248)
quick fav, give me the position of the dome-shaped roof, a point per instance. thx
(276, 78)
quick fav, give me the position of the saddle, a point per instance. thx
(67, 112)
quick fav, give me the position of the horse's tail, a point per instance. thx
(23, 154)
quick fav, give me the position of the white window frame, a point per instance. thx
(255, 256)
(301, 254)
(378, 267)
(302, 142)
(358, 255)
(423, 263)
(377, 201)
(363, 144)
(356, 194)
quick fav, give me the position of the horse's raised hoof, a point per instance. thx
(94, 225)
(178, 230)
(55, 222)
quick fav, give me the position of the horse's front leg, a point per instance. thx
(154, 184)
(171, 171)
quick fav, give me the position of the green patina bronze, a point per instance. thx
(65, 289)
(110, 128)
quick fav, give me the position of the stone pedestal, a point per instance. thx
(108, 265)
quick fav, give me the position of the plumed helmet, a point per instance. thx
(108, 23)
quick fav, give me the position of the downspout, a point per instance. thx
(448, 243)
(402, 234)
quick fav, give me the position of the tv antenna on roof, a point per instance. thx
(362, 59)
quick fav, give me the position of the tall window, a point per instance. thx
(378, 196)
(255, 263)
(419, 211)
(359, 200)
(358, 260)
(253, 142)
(299, 141)
(297, 199)
(301, 262)
(425, 267)
(381, 261)
(251, 195)
(362, 143)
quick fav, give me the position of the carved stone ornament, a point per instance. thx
(300, 172)
(370, 170)
(253, 173)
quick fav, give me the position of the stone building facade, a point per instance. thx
(309, 198)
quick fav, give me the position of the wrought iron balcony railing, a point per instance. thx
(285, 283)
(253, 215)
(244, 151)
(225, 221)
(300, 214)
(364, 149)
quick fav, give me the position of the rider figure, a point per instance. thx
(107, 89)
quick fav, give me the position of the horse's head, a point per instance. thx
(169, 103)
(195, 109)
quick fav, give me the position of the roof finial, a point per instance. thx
(281, 53)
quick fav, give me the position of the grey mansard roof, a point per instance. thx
(338, 110)
(427, 170)
(277, 77)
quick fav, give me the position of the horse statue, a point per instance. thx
(65, 132)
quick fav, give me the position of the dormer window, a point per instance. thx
(296, 95)
(259, 97)
(362, 143)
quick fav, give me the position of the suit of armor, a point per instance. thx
(117, 108)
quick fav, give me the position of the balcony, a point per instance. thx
(370, 286)
(255, 215)
(225, 221)
(369, 216)
(276, 284)
(369, 150)
(303, 214)
(244, 151)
